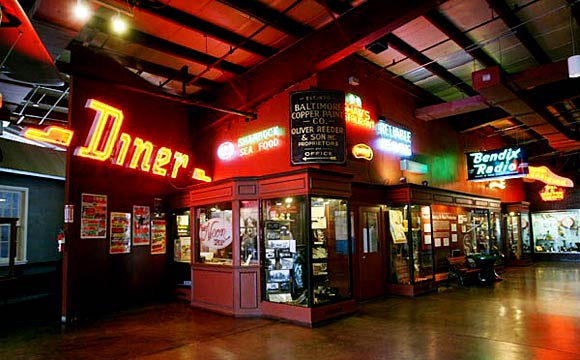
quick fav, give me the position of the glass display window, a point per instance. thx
(306, 261)
(285, 272)
(214, 234)
(249, 216)
(556, 231)
(182, 239)
(330, 250)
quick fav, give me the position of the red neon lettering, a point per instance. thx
(51, 134)
(162, 158)
(143, 149)
(94, 147)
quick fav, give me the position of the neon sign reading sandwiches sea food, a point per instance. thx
(499, 163)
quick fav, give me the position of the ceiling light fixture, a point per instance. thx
(81, 10)
(119, 25)
(574, 60)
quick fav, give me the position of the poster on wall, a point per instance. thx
(396, 227)
(141, 225)
(158, 237)
(317, 127)
(93, 216)
(120, 240)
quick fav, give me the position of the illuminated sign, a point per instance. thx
(354, 113)
(104, 141)
(545, 175)
(552, 193)
(51, 135)
(497, 184)
(499, 163)
(362, 151)
(250, 144)
(393, 139)
(414, 167)
(260, 141)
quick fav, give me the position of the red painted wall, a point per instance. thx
(95, 280)
(435, 143)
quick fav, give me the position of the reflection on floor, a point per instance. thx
(533, 314)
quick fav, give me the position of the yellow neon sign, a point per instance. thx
(542, 173)
(362, 151)
(104, 141)
(51, 134)
(552, 193)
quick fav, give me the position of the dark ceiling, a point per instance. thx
(210, 52)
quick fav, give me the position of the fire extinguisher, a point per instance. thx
(61, 239)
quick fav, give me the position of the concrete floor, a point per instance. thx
(533, 314)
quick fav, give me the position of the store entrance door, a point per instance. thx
(370, 245)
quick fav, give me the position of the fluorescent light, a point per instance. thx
(574, 66)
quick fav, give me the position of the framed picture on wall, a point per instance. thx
(141, 225)
(93, 216)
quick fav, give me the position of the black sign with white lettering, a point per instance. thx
(499, 163)
(317, 127)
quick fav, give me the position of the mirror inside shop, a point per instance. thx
(424, 237)
(556, 231)
(305, 264)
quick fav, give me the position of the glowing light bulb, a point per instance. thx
(119, 25)
(82, 10)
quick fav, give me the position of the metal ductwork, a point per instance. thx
(490, 83)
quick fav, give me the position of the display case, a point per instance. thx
(305, 266)
(556, 235)
(518, 244)
(180, 268)
(431, 226)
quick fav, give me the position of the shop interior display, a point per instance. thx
(297, 269)
(556, 231)
(182, 241)
(214, 243)
(249, 232)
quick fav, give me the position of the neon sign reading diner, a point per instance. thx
(105, 141)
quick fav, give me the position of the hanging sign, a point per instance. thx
(552, 193)
(542, 173)
(317, 127)
(393, 139)
(500, 163)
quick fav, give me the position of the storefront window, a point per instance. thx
(399, 272)
(285, 251)
(526, 234)
(306, 268)
(556, 231)
(249, 232)
(421, 233)
(330, 250)
(214, 231)
(514, 239)
(182, 237)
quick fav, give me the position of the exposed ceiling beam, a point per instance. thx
(450, 29)
(451, 108)
(154, 68)
(321, 49)
(165, 46)
(182, 18)
(472, 121)
(434, 67)
(269, 16)
(521, 32)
